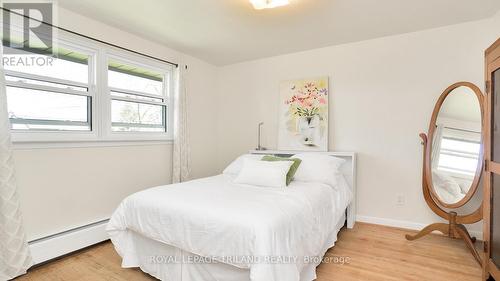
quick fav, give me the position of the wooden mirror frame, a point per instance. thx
(455, 227)
(432, 128)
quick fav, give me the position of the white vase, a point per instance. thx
(309, 130)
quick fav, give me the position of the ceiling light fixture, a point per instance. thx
(268, 4)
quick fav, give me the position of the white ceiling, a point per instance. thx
(229, 31)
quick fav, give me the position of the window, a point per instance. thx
(89, 92)
(50, 96)
(138, 98)
(459, 152)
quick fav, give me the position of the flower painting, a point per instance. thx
(303, 122)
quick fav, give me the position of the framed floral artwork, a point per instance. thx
(303, 120)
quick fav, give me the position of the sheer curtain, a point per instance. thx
(15, 257)
(181, 159)
(436, 144)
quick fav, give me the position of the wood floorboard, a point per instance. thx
(371, 253)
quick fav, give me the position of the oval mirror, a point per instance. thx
(455, 133)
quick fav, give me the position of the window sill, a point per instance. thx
(22, 145)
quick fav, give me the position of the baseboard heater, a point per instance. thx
(60, 244)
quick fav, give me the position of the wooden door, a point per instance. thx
(492, 164)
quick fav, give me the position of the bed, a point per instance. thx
(212, 229)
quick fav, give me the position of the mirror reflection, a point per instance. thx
(456, 145)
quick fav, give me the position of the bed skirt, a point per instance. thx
(169, 263)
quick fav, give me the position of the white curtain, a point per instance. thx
(181, 159)
(15, 257)
(436, 145)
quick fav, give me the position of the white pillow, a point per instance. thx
(235, 167)
(318, 168)
(446, 182)
(264, 173)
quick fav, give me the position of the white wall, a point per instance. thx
(202, 106)
(382, 95)
(62, 188)
(69, 187)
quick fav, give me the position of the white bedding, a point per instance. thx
(239, 225)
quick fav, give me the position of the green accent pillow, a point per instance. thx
(293, 168)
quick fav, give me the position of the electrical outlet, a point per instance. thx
(400, 200)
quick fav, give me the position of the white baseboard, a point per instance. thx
(69, 241)
(405, 224)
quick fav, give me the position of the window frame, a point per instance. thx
(99, 93)
(168, 88)
(63, 136)
(464, 174)
(467, 134)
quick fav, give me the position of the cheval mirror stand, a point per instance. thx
(453, 161)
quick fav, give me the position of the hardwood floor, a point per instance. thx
(382, 253)
(372, 253)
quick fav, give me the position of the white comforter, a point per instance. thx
(267, 230)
